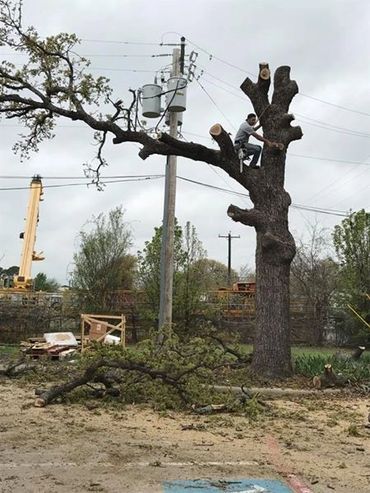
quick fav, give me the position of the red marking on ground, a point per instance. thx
(297, 484)
(283, 468)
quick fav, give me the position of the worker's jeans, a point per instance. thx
(250, 150)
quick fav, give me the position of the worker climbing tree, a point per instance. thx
(56, 83)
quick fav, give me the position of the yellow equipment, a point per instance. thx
(23, 280)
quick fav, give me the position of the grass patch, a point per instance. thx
(312, 364)
(353, 431)
(8, 350)
(304, 350)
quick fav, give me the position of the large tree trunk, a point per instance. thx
(274, 253)
(275, 244)
(271, 356)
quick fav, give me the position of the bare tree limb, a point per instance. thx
(286, 120)
(89, 375)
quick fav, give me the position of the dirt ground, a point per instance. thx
(64, 448)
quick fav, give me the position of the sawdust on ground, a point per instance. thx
(68, 448)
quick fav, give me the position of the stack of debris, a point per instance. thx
(53, 345)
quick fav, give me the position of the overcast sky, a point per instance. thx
(326, 43)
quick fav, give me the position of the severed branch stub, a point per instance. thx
(329, 379)
(357, 353)
(223, 140)
(264, 78)
(249, 217)
(284, 88)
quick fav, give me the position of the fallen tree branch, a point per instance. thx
(242, 358)
(90, 376)
(16, 368)
(275, 392)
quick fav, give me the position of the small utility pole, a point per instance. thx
(168, 227)
(229, 238)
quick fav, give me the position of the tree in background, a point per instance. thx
(103, 263)
(43, 283)
(6, 276)
(314, 275)
(190, 279)
(10, 271)
(352, 245)
(214, 274)
(149, 260)
(247, 274)
(188, 285)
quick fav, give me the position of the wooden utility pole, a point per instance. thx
(168, 228)
(229, 238)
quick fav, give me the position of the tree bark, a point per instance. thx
(271, 353)
(275, 244)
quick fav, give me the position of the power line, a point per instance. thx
(123, 70)
(139, 43)
(212, 168)
(334, 104)
(113, 69)
(214, 102)
(331, 125)
(357, 191)
(311, 121)
(344, 132)
(189, 180)
(214, 57)
(317, 158)
(294, 206)
(224, 89)
(81, 184)
(211, 56)
(80, 177)
(105, 55)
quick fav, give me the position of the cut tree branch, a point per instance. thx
(286, 120)
(249, 217)
(258, 92)
(89, 375)
(223, 140)
(264, 79)
(284, 88)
